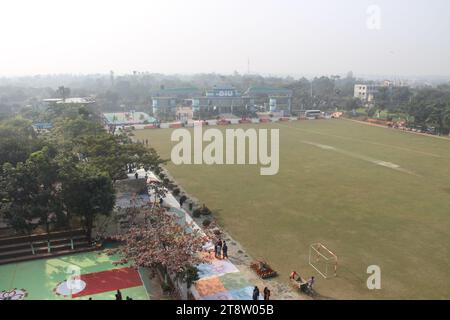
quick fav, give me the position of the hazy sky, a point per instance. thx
(411, 37)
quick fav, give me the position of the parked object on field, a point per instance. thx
(263, 270)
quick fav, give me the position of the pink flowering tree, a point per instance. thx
(162, 243)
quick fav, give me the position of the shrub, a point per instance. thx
(190, 275)
(371, 112)
(166, 287)
(206, 223)
(197, 213)
(176, 192)
(205, 211)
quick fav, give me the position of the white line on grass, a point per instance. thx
(365, 141)
(382, 163)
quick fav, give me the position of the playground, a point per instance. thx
(78, 276)
(372, 195)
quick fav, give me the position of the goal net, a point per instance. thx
(323, 260)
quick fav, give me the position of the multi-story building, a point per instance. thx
(365, 92)
(222, 99)
(165, 101)
(271, 99)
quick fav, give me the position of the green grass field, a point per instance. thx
(338, 184)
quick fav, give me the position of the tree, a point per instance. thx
(430, 107)
(30, 194)
(189, 275)
(112, 154)
(67, 130)
(383, 98)
(401, 96)
(86, 192)
(301, 98)
(162, 243)
(351, 104)
(438, 117)
(15, 205)
(42, 172)
(17, 140)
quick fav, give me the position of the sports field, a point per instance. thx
(375, 196)
(46, 279)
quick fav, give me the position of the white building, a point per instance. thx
(365, 92)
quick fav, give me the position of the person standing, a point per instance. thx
(215, 250)
(311, 283)
(136, 175)
(256, 293)
(219, 248)
(118, 295)
(266, 293)
(224, 250)
(183, 198)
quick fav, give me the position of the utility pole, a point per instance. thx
(111, 78)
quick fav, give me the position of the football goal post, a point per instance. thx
(323, 260)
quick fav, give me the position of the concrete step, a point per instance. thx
(47, 255)
(42, 248)
(24, 245)
(41, 237)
